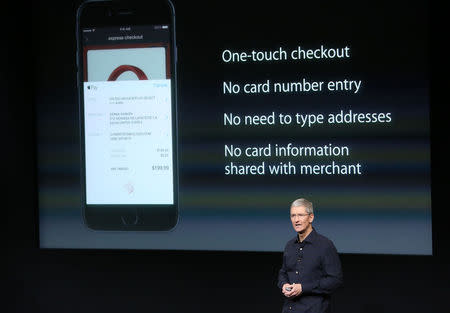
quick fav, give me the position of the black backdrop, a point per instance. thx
(175, 281)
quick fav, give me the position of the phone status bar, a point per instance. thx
(126, 28)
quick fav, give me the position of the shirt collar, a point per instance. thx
(310, 238)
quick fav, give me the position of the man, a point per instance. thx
(311, 269)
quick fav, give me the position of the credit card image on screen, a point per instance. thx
(128, 120)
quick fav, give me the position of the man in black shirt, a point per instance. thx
(311, 269)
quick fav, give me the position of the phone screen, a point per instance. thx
(128, 118)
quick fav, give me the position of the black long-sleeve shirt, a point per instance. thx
(314, 263)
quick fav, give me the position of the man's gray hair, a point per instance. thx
(304, 203)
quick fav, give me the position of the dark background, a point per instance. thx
(176, 281)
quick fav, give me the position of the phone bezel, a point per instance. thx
(129, 13)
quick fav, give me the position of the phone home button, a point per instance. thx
(131, 219)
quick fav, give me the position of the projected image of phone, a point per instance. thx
(127, 94)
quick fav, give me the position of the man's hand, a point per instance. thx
(285, 288)
(295, 291)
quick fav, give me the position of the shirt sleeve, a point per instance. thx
(282, 274)
(332, 276)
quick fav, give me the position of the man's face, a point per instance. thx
(301, 221)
